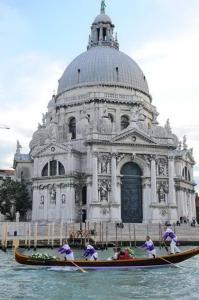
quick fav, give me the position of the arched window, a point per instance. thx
(45, 170)
(72, 128)
(53, 168)
(84, 195)
(186, 174)
(61, 169)
(124, 122)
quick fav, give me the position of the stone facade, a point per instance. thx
(101, 126)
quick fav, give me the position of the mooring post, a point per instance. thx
(26, 235)
(134, 236)
(116, 233)
(53, 234)
(106, 235)
(102, 234)
(29, 235)
(35, 236)
(130, 235)
(95, 232)
(61, 234)
(88, 228)
(48, 235)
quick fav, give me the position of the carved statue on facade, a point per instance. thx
(104, 188)
(162, 191)
(105, 123)
(44, 118)
(155, 116)
(168, 126)
(135, 112)
(103, 6)
(63, 199)
(185, 142)
(53, 196)
(18, 150)
(162, 167)
(84, 123)
(42, 201)
(53, 131)
(180, 146)
(17, 216)
(104, 161)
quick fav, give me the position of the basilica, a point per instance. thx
(99, 153)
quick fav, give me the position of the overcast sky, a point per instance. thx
(38, 39)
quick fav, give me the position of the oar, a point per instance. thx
(81, 269)
(165, 246)
(169, 262)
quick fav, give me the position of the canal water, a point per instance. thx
(42, 283)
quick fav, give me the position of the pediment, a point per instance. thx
(51, 149)
(133, 136)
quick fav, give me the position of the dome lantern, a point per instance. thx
(102, 31)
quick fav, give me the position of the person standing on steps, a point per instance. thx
(171, 237)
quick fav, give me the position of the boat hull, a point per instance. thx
(161, 261)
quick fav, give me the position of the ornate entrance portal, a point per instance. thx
(131, 193)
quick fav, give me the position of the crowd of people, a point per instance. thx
(91, 254)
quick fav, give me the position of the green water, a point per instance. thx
(24, 282)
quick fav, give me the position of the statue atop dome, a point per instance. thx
(103, 6)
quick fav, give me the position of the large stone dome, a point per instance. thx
(103, 65)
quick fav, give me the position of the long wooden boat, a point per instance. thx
(160, 261)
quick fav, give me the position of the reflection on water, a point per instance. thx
(24, 282)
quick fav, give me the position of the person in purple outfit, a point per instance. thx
(90, 253)
(65, 249)
(149, 246)
(170, 236)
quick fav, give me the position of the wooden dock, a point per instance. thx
(102, 234)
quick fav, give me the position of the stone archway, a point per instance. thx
(131, 193)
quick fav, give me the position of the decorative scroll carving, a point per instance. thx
(121, 156)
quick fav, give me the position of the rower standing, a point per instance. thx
(90, 253)
(65, 249)
(149, 246)
(171, 237)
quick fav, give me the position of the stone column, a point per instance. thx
(95, 177)
(46, 203)
(153, 181)
(35, 203)
(146, 201)
(101, 34)
(172, 196)
(114, 178)
(58, 203)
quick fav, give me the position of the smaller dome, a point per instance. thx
(102, 18)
